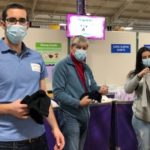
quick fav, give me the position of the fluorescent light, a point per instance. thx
(127, 28)
(88, 14)
(62, 24)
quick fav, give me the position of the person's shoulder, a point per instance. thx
(33, 52)
(62, 64)
(63, 61)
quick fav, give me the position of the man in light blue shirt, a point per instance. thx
(22, 72)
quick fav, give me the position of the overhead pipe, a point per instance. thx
(81, 7)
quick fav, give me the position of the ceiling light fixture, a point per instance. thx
(127, 28)
(88, 14)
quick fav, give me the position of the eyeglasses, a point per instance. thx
(82, 47)
(13, 20)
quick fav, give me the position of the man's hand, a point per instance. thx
(18, 110)
(60, 142)
(85, 101)
(103, 89)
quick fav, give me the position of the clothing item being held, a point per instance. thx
(38, 104)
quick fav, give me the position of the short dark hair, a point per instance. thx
(139, 65)
(13, 6)
(78, 39)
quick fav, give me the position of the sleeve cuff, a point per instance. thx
(139, 78)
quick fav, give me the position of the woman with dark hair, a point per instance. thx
(139, 82)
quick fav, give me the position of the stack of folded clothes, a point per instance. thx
(38, 104)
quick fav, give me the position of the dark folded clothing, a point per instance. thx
(94, 95)
(38, 104)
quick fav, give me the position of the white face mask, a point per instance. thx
(80, 55)
(16, 33)
(146, 62)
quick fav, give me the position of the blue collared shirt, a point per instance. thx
(19, 76)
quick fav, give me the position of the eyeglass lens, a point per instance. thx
(14, 20)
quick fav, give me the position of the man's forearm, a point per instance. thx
(4, 109)
(51, 119)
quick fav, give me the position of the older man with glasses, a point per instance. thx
(72, 79)
(22, 73)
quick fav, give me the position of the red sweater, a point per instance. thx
(80, 70)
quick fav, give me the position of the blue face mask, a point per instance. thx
(80, 55)
(146, 62)
(16, 33)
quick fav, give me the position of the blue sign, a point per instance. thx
(147, 46)
(120, 48)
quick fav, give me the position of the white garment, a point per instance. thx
(146, 89)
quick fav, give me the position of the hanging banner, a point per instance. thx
(121, 48)
(49, 51)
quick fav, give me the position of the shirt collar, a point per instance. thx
(5, 48)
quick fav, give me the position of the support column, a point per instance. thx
(81, 7)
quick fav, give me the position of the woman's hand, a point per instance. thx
(143, 72)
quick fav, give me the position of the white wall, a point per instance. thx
(51, 36)
(45, 35)
(107, 67)
(144, 38)
(111, 68)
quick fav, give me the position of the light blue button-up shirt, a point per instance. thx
(19, 76)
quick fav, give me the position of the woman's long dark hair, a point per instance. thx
(139, 65)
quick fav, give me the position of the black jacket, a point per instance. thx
(94, 95)
(38, 104)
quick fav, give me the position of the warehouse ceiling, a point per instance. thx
(118, 13)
